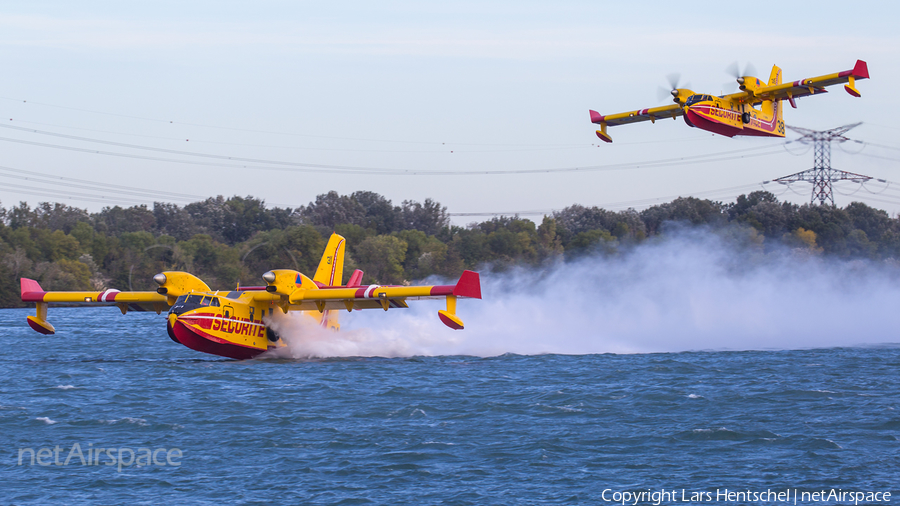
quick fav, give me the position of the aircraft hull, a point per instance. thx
(727, 123)
(199, 340)
(697, 120)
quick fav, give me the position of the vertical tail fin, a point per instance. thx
(775, 78)
(331, 267)
(772, 112)
(330, 273)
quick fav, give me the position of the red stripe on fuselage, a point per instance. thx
(442, 289)
(33, 296)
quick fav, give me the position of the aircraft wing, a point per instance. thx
(815, 85)
(126, 301)
(377, 297)
(137, 301)
(652, 114)
(625, 118)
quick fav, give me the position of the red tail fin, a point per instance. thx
(29, 285)
(861, 70)
(469, 285)
(355, 278)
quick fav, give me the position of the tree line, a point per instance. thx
(234, 240)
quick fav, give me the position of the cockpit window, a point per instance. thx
(214, 302)
(186, 303)
(693, 99)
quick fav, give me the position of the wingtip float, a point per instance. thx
(754, 110)
(231, 323)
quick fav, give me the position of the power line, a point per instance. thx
(90, 197)
(445, 146)
(626, 203)
(320, 168)
(69, 182)
(730, 191)
(269, 132)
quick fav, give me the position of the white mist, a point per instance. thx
(688, 290)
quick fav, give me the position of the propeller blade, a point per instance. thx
(663, 94)
(750, 70)
(733, 70)
(673, 80)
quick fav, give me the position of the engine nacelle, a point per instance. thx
(174, 284)
(286, 281)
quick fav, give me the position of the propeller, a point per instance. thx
(735, 71)
(674, 81)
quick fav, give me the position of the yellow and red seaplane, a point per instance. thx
(754, 110)
(234, 323)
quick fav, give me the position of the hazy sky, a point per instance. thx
(406, 88)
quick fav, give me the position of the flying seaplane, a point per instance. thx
(234, 324)
(754, 110)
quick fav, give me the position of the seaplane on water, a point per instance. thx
(233, 324)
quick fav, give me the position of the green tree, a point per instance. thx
(381, 258)
(56, 245)
(380, 215)
(117, 221)
(429, 217)
(84, 233)
(58, 216)
(175, 221)
(425, 255)
(243, 217)
(592, 240)
(332, 209)
(296, 247)
(689, 209)
(549, 243)
(874, 222)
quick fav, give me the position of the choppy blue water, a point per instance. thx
(511, 429)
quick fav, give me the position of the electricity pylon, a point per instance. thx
(822, 175)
